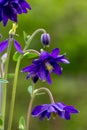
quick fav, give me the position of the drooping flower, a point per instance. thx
(10, 8)
(45, 39)
(46, 64)
(46, 110)
(4, 44)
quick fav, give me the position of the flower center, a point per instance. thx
(49, 66)
(53, 115)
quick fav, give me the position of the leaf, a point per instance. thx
(10, 75)
(16, 56)
(30, 90)
(26, 37)
(22, 123)
(3, 80)
(30, 55)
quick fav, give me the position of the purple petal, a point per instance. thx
(38, 110)
(42, 73)
(57, 69)
(4, 17)
(3, 45)
(65, 61)
(17, 46)
(34, 78)
(0, 15)
(30, 68)
(61, 58)
(55, 52)
(43, 114)
(48, 78)
(67, 115)
(48, 115)
(9, 13)
(71, 109)
(59, 106)
(17, 7)
(44, 55)
(36, 61)
(24, 5)
(51, 109)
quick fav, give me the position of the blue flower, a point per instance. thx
(46, 64)
(10, 8)
(4, 44)
(46, 110)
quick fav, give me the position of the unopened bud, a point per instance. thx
(45, 39)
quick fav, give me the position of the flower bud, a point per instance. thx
(45, 39)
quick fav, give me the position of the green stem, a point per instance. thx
(31, 102)
(5, 85)
(33, 35)
(29, 113)
(47, 91)
(31, 50)
(14, 93)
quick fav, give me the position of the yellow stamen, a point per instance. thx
(13, 30)
(49, 66)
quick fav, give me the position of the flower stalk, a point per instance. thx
(5, 85)
(32, 36)
(14, 93)
(31, 102)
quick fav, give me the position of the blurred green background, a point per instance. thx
(66, 21)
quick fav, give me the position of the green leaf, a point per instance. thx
(10, 75)
(30, 90)
(30, 55)
(26, 37)
(16, 56)
(3, 80)
(22, 123)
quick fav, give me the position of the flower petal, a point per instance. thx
(48, 78)
(24, 5)
(17, 7)
(30, 68)
(67, 115)
(43, 114)
(42, 72)
(57, 69)
(39, 109)
(44, 55)
(61, 58)
(3, 45)
(55, 52)
(71, 109)
(17, 46)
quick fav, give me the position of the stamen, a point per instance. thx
(49, 66)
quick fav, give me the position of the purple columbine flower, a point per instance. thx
(46, 64)
(4, 44)
(46, 110)
(10, 8)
